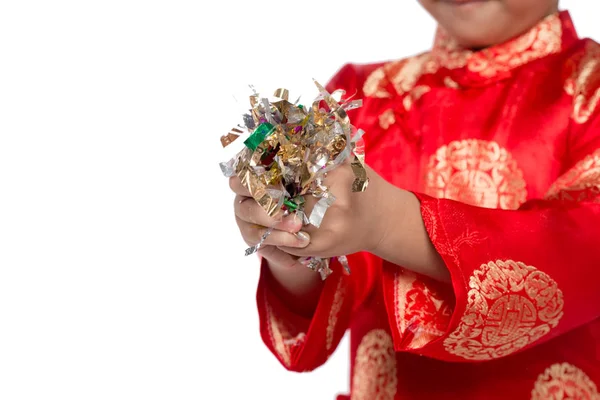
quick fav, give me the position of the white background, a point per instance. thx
(121, 272)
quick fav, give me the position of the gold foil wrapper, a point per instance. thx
(226, 140)
(289, 149)
(361, 181)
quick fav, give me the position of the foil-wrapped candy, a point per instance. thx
(288, 150)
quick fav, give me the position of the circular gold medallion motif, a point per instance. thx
(476, 172)
(374, 376)
(510, 305)
(564, 382)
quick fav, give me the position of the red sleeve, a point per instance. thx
(302, 344)
(520, 277)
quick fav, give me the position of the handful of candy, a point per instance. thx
(288, 151)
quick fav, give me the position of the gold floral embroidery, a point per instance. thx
(375, 84)
(564, 382)
(584, 175)
(387, 119)
(450, 83)
(283, 336)
(374, 376)
(415, 95)
(402, 74)
(510, 305)
(420, 308)
(476, 172)
(584, 83)
(404, 79)
(447, 52)
(336, 306)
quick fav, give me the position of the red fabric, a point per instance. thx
(502, 147)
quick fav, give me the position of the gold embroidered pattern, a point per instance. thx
(387, 119)
(447, 52)
(414, 95)
(450, 83)
(405, 78)
(375, 84)
(584, 175)
(402, 74)
(510, 305)
(374, 376)
(584, 83)
(336, 306)
(476, 172)
(420, 308)
(564, 382)
(282, 336)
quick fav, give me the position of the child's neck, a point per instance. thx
(552, 10)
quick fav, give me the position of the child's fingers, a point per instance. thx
(281, 238)
(296, 251)
(236, 185)
(278, 258)
(250, 211)
(253, 233)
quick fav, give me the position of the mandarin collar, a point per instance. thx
(473, 68)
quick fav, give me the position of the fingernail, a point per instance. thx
(303, 236)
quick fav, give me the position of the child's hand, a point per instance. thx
(354, 222)
(295, 284)
(383, 220)
(253, 221)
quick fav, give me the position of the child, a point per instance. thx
(476, 247)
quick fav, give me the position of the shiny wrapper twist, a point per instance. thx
(289, 148)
